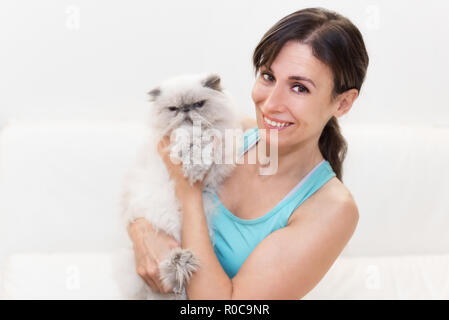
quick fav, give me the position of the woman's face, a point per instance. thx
(295, 91)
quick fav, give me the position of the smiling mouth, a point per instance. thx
(269, 124)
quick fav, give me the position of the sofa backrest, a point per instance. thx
(399, 178)
(60, 186)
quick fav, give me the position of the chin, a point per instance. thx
(271, 139)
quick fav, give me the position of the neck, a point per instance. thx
(294, 162)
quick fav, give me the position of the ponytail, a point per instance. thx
(333, 146)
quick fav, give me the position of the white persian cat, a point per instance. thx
(183, 102)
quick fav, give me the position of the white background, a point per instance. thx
(97, 59)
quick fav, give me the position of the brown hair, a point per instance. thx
(336, 42)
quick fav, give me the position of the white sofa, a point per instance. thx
(60, 225)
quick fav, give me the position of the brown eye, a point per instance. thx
(172, 108)
(269, 76)
(301, 88)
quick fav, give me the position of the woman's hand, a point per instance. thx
(150, 248)
(182, 186)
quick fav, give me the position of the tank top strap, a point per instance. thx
(322, 174)
(250, 137)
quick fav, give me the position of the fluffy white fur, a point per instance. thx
(147, 189)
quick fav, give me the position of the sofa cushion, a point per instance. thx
(385, 277)
(59, 276)
(91, 276)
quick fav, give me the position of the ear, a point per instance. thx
(345, 102)
(213, 81)
(156, 92)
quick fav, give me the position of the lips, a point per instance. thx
(271, 123)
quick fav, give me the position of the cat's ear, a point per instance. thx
(156, 92)
(213, 81)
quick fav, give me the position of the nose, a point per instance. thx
(186, 108)
(274, 101)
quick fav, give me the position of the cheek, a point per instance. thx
(258, 93)
(312, 119)
(304, 112)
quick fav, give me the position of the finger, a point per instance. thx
(153, 277)
(161, 142)
(152, 280)
(160, 146)
(159, 285)
(162, 288)
(163, 147)
(174, 244)
(165, 141)
(151, 283)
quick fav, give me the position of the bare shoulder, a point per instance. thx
(310, 244)
(333, 202)
(247, 122)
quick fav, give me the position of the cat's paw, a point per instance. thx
(177, 269)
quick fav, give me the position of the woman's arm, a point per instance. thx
(195, 234)
(285, 265)
(210, 281)
(292, 260)
(197, 239)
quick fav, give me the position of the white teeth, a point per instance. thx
(277, 124)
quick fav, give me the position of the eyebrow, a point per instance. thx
(299, 78)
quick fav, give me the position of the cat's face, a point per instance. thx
(188, 100)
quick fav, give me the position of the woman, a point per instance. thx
(277, 238)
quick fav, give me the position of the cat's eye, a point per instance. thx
(172, 108)
(199, 104)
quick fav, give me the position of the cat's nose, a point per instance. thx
(186, 108)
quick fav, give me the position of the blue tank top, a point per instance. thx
(234, 238)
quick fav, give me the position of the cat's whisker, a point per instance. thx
(174, 124)
(207, 122)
